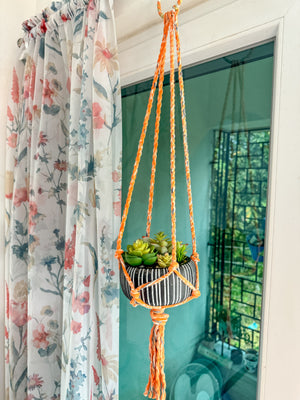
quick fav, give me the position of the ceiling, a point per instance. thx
(133, 16)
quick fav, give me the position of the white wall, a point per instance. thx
(13, 13)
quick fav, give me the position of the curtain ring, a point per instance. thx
(175, 8)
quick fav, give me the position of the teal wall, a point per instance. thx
(204, 102)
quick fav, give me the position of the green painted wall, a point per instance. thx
(204, 102)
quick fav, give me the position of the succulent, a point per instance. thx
(138, 248)
(140, 253)
(164, 260)
(158, 250)
(134, 261)
(181, 252)
(160, 243)
(149, 259)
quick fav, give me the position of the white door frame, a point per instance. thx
(210, 30)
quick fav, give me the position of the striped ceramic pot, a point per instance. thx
(171, 290)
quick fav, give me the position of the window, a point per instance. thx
(239, 198)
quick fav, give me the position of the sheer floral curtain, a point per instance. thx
(63, 204)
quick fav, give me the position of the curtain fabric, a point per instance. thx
(63, 206)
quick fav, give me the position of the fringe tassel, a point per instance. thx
(156, 387)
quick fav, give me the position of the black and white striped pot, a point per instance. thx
(171, 290)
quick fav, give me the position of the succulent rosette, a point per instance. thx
(154, 252)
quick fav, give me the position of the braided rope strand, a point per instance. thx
(156, 387)
(172, 16)
(156, 136)
(142, 139)
(185, 142)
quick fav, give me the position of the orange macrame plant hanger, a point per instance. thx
(156, 387)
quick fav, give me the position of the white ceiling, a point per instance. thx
(132, 16)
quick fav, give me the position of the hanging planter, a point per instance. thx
(156, 273)
(170, 290)
(148, 260)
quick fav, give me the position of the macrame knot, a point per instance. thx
(173, 266)
(159, 317)
(133, 303)
(195, 257)
(196, 293)
(156, 387)
(118, 253)
(135, 294)
(171, 17)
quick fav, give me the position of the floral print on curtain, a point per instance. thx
(63, 206)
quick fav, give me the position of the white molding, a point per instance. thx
(200, 54)
(267, 298)
(138, 20)
(237, 25)
(281, 323)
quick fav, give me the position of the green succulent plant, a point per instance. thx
(161, 243)
(158, 250)
(181, 250)
(138, 248)
(164, 260)
(149, 259)
(140, 253)
(134, 261)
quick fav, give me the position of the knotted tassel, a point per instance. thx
(156, 387)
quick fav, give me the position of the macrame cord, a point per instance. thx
(156, 387)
